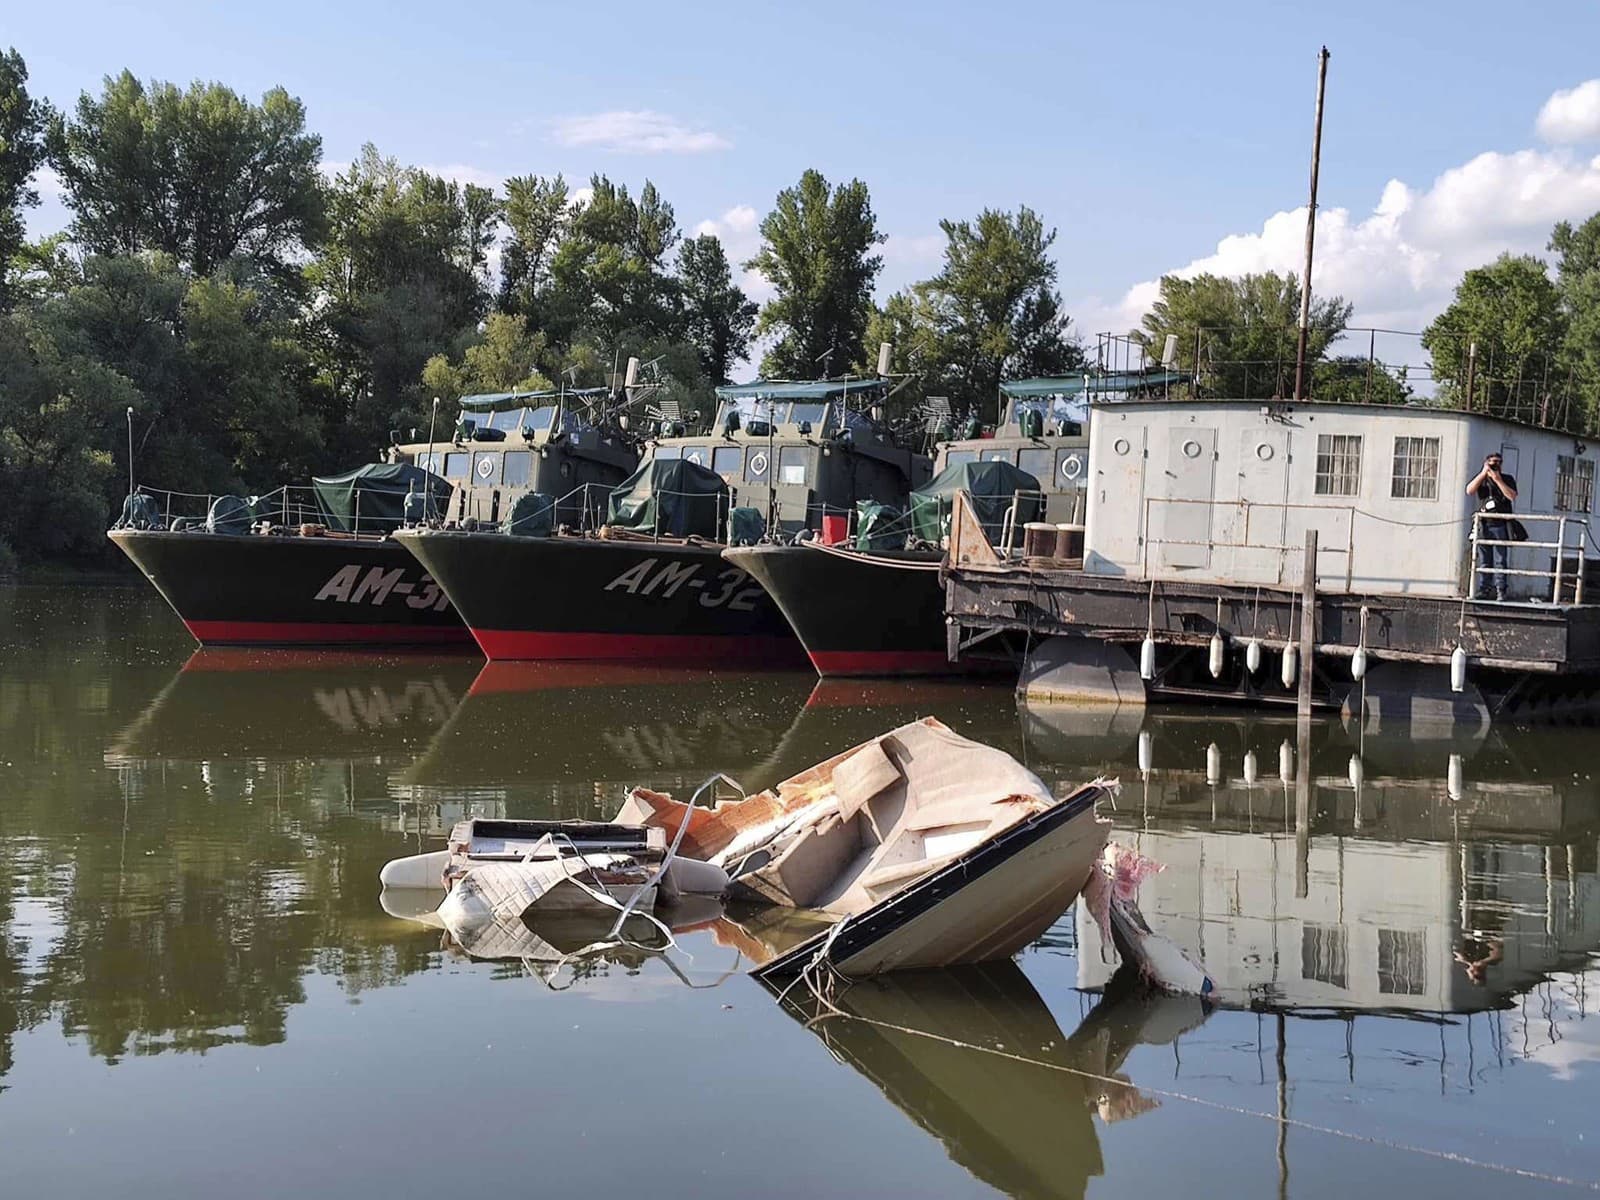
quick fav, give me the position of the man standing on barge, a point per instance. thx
(1495, 491)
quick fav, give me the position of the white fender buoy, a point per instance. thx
(1452, 779)
(1291, 665)
(1252, 655)
(1286, 761)
(1358, 663)
(1147, 659)
(1213, 764)
(1358, 772)
(1218, 655)
(1458, 669)
(1146, 750)
(1250, 768)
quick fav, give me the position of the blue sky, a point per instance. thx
(1148, 133)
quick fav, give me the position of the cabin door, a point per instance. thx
(1181, 526)
(1256, 525)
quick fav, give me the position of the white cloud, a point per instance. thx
(47, 182)
(1399, 262)
(463, 173)
(1572, 114)
(636, 132)
(912, 250)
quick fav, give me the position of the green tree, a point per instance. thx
(1511, 311)
(536, 216)
(23, 122)
(1351, 379)
(817, 251)
(505, 360)
(609, 276)
(1578, 282)
(1245, 329)
(717, 316)
(399, 279)
(202, 175)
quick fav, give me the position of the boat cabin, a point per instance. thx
(799, 451)
(509, 444)
(1225, 491)
(1044, 430)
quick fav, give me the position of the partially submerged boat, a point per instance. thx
(499, 873)
(928, 848)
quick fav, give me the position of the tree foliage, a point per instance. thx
(200, 174)
(1244, 330)
(23, 121)
(717, 316)
(1511, 312)
(505, 360)
(817, 251)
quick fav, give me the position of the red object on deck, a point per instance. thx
(835, 529)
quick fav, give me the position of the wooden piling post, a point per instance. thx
(1308, 623)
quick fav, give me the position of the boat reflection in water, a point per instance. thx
(975, 1058)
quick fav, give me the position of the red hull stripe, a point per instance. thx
(500, 644)
(324, 633)
(882, 662)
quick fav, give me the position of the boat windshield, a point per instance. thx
(526, 420)
(779, 412)
(1057, 411)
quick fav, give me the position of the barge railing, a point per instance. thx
(1558, 574)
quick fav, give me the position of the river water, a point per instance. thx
(201, 991)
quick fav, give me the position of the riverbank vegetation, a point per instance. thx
(265, 316)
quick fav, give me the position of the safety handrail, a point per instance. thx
(1556, 574)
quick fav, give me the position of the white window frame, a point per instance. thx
(1338, 470)
(1414, 468)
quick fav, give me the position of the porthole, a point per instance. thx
(1121, 446)
(1265, 452)
(1191, 449)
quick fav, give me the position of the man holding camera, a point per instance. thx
(1495, 491)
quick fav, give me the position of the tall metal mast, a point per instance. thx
(1311, 234)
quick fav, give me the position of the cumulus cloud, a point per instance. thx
(1572, 114)
(636, 132)
(1399, 262)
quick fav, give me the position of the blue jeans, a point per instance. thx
(1495, 559)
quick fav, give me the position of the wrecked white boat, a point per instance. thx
(931, 850)
(497, 874)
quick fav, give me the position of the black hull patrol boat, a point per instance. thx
(318, 566)
(650, 584)
(877, 607)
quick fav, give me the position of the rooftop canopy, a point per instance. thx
(1090, 381)
(505, 401)
(805, 389)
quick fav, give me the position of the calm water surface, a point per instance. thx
(200, 991)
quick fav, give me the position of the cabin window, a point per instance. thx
(956, 457)
(1037, 463)
(995, 455)
(1069, 468)
(1574, 483)
(756, 464)
(519, 465)
(455, 465)
(428, 462)
(485, 467)
(792, 465)
(1416, 469)
(725, 460)
(696, 455)
(1402, 959)
(1339, 464)
(666, 453)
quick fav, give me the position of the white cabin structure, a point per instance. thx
(1224, 491)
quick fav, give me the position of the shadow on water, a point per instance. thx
(190, 842)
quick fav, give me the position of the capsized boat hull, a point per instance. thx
(984, 905)
(591, 598)
(260, 590)
(856, 614)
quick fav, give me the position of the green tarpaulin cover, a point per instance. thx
(992, 485)
(807, 389)
(376, 494)
(506, 401)
(879, 526)
(672, 496)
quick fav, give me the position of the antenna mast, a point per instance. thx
(1311, 234)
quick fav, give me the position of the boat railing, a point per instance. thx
(1567, 565)
(1037, 500)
